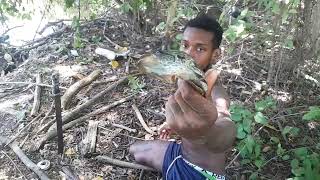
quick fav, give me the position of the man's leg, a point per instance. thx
(150, 153)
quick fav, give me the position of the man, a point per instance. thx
(202, 122)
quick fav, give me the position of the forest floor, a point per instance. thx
(119, 126)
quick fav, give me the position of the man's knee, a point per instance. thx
(136, 151)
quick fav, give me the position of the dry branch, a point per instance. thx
(76, 87)
(52, 132)
(124, 127)
(34, 84)
(116, 162)
(76, 112)
(143, 123)
(31, 165)
(37, 97)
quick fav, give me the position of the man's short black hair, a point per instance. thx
(209, 24)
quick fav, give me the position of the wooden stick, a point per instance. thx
(76, 87)
(76, 112)
(52, 132)
(37, 97)
(116, 162)
(124, 127)
(34, 84)
(143, 123)
(31, 165)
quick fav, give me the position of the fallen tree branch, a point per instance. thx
(31, 165)
(76, 87)
(28, 83)
(116, 162)
(143, 123)
(74, 113)
(52, 132)
(37, 97)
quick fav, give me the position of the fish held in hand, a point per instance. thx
(171, 66)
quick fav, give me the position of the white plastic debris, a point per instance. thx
(106, 53)
(8, 57)
(74, 52)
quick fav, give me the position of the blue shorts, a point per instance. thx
(175, 167)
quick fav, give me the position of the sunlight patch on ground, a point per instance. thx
(68, 71)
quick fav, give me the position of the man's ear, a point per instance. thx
(215, 55)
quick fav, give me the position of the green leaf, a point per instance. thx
(236, 117)
(250, 143)
(290, 130)
(253, 176)
(260, 118)
(275, 140)
(280, 150)
(68, 3)
(313, 114)
(240, 133)
(257, 150)
(247, 125)
(285, 157)
(258, 163)
(294, 163)
(301, 152)
(245, 161)
(264, 104)
(298, 171)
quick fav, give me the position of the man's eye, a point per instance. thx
(199, 49)
(184, 45)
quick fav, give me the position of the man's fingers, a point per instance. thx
(183, 105)
(211, 77)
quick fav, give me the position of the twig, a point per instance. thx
(69, 116)
(37, 97)
(31, 165)
(14, 164)
(47, 115)
(15, 137)
(124, 127)
(14, 27)
(109, 40)
(46, 126)
(52, 132)
(120, 163)
(256, 133)
(28, 83)
(121, 134)
(88, 144)
(140, 118)
(76, 87)
(25, 139)
(141, 174)
(34, 36)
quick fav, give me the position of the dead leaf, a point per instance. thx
(266, 149)
(70, 152)
(114, 64)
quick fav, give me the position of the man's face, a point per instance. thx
(198, 44)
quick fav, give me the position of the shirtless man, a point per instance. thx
(203, 123)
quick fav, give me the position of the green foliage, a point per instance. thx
(69, 3)
(306, 164)
(14, 9)
(262, 105)
(135, 84)
(313, 114)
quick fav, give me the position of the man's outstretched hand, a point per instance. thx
(188, 113)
